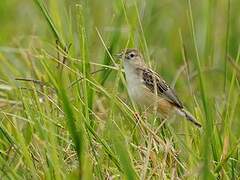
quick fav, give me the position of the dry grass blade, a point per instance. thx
(234, 65)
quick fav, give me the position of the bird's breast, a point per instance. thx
(136, 88)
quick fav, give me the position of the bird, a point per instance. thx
(149, 90)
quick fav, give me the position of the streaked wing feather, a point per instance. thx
(155, 83)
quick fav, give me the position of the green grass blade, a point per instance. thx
(50, 22)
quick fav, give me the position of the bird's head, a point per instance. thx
(131, 56)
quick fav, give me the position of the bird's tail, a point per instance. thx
(189, 117)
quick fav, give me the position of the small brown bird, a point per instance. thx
(149, 90)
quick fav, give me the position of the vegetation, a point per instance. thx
(64, 108)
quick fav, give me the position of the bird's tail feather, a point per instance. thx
(189, 117)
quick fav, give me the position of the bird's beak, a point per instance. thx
(119, 55)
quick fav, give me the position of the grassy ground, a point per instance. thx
(64, 108)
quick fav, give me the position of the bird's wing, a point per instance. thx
(156, 84)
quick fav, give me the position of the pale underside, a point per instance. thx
(149, 101)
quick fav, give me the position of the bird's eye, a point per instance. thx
(132, 55)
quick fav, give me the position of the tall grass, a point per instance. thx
(64, 108)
